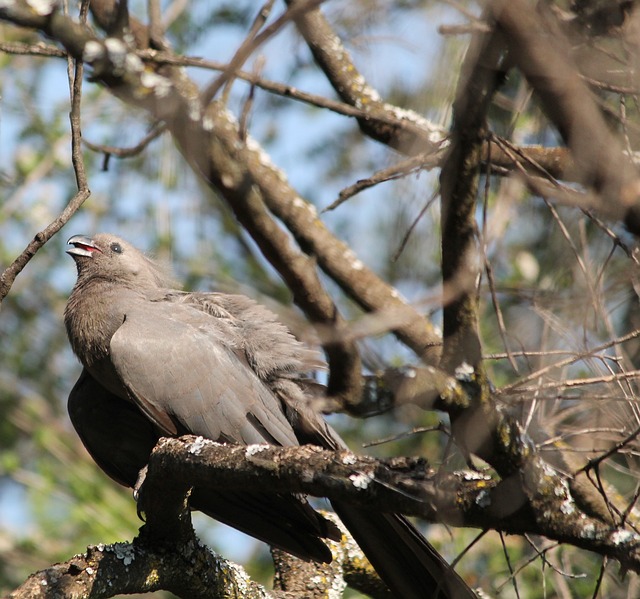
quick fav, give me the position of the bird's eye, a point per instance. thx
(116, 247)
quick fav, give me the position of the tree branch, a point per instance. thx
(598, 159)
(166, 554)
(188, 570)
(9, 275)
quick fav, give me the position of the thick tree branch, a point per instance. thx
(405, 485)
(475, 426)
(413, 134)
(540, 50)
(188, 569)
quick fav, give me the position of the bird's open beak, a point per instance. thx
(82, 246)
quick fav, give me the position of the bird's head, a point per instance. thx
(109, 257)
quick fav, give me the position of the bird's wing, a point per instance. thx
(114, 431)
(187, 376)
(268, 345)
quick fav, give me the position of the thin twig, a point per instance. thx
(9, 275)
(248, 104)
(597, 380)
(595, 462)
(252, 42)
(413, 225)
(464, 29)
(258, 22)
(440, 428)
(132, 150)
(567, 361)
(423, 161)
(156, 29)
(512, 577)
(489, 270)
(39, 49)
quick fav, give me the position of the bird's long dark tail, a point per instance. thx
(404, 559)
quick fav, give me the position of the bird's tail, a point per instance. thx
(404, 559)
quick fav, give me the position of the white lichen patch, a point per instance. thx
(124, 552)
(588, 531)
(195, 110)
(117, 52)
(567, 506)
(338, 585)
(349, 459)
(624, 537)
(562, 490)
(116, 46)
(133, 64)
(463, 372)
(92, 51)
(227, 180)
(483, 499)
(361, 480)
(351, 258)
(471, 475)
(228, 116)
(159, 85)
(89, 570)
(451, 384)
(263, 158)
(42, 7)
(436, 134)
(410, 373)
(207, 123)
(196, 446)
(255, 449)
(311, 209)
(357, 264)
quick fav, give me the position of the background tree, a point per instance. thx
(527, 263)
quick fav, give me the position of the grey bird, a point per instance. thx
(160, 362)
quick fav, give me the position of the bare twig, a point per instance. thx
(572, 383)
(464, 29)
(39, 49)
(41, 238)
(254, 40)
(156, 31)
(413, 225)
(248, 104)
(571, 106)
(425, 161)
(131, 151)
(575, 357)
(227, 77)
